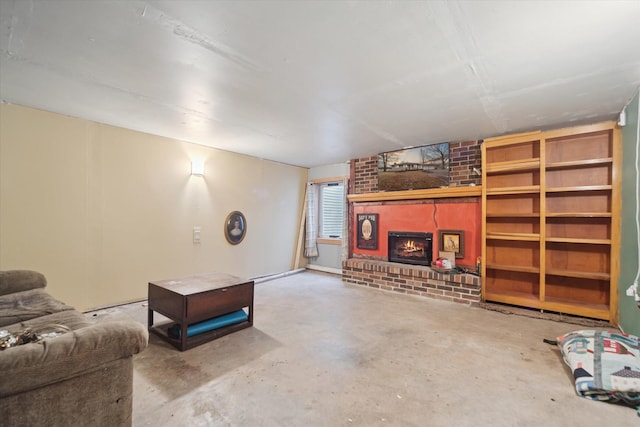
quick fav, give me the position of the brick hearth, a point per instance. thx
(412, 280)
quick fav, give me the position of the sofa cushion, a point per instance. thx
(20, 280)
(51, 360)
(72, 319)
(22, 306)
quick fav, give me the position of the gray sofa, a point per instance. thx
(83, 377)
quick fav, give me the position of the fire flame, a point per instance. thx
(410, 246)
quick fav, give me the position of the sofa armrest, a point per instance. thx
(51, 360)
(20, 280)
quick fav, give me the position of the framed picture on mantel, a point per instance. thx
(452, 241)
(367, 231)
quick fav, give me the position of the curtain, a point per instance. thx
(345, 223)
(311, 226)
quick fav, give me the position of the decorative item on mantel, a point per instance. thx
(445, 263)
(368, 231)
(452, 241)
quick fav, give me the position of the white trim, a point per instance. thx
(261, 279)
(325, 269)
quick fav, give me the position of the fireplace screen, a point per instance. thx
(410, 247)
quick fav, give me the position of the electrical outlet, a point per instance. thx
(196, 234)
(631, 290)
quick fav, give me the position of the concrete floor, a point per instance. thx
(324, 354)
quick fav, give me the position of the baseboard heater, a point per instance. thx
(210, 324)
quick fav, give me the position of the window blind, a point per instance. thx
(331, 210)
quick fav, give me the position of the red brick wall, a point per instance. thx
(366, 175)
(463, 157)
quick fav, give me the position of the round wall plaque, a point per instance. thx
(235, 227)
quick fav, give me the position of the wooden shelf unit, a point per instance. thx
(551, 220)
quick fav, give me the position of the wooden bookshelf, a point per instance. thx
(550, 226)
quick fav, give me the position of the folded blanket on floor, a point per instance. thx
(605, 365)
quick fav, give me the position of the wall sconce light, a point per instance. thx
(197, 167)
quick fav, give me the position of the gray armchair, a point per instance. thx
(82, 377)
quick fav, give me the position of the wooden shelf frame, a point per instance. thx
(579, 163)
(551, 155)
(578, 215)
(577, 274)
(524, 189)
(524, 165)
(523, 237)
(581, 189)
(578, 240)
(513, 215)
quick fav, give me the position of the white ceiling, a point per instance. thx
(311, 83)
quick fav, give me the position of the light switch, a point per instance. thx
(196, 234)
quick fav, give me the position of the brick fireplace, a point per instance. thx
(419, 211)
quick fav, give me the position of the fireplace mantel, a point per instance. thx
(430, 193)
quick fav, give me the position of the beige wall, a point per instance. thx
(102, 210)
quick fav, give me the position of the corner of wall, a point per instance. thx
(629, 313)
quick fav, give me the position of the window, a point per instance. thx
(331, 206)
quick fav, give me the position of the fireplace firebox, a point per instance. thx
(410, 247)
